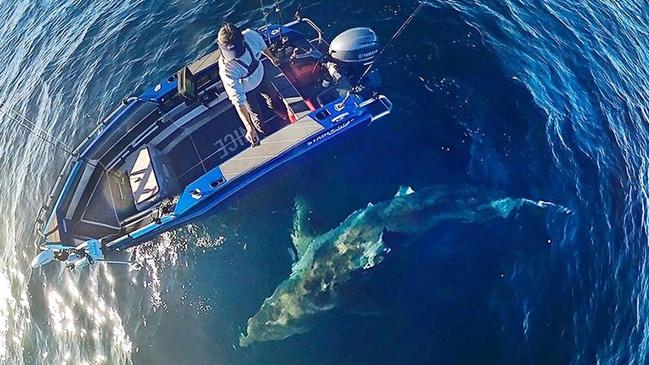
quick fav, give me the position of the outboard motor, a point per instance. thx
(351, 52)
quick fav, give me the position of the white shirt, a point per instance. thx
(232, 73)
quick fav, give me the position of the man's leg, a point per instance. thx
(255, 109)
(273, 100)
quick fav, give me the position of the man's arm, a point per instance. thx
(271, 56)
(257, 43)
(237, 95)
(244, 113)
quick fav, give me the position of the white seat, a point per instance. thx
(142, 177)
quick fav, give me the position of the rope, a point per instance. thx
(385, 47)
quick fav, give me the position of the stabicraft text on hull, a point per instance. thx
(172, 154)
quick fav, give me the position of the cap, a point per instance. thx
(230, 42)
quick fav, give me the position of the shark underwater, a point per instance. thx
(330, 260)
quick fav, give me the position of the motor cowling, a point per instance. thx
(351, 52)
(356, 45)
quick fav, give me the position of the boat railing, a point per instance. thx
(57, 187)
(99, 127)
(311, 24)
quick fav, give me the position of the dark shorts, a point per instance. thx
(267, 91)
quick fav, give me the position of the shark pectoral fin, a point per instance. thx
(301, 235)
(243, 340)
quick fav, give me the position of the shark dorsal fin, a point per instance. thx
(403, 191)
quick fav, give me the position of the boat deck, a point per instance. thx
(270, 147)
(111, 203)
(214, 143)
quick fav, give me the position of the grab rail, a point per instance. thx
(310, 23)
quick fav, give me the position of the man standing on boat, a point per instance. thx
(243, 77)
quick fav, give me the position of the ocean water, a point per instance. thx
(537, 100)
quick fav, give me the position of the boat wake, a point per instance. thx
(326, 263)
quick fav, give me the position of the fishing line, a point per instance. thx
(47, 137)
(378, 56)
(32, 127)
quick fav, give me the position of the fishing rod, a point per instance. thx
(369, 68)
(134, 265)
(278, 10)
(265, 14)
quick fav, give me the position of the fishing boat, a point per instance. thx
(172, 154)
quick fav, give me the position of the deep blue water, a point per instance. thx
(543, 100)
